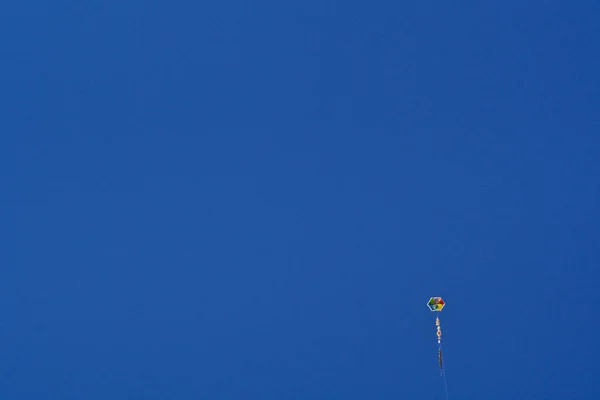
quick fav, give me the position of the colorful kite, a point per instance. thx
(436, 304)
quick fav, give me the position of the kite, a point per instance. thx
(436, 304)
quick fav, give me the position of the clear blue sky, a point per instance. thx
(255, 199)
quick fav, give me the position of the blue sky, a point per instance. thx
(255, 200)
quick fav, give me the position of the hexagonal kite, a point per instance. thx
(436, 304)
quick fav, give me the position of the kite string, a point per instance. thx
(444, 376)
(445, 384)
